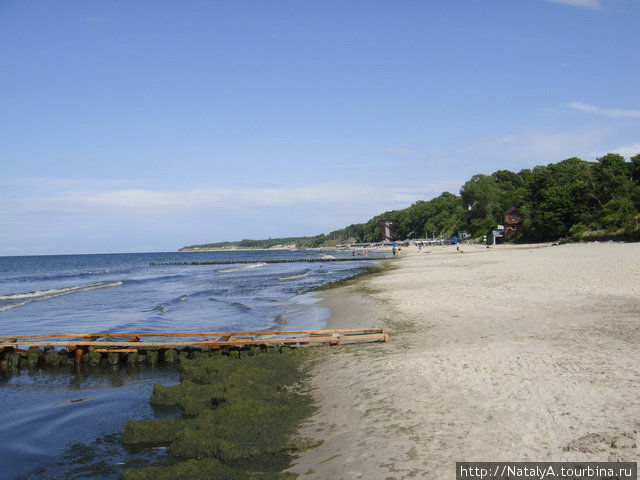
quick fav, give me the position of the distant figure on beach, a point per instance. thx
(393, 250)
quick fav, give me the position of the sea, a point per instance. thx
(51, 418)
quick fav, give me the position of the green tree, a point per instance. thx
(559, 196)
(620, 213)
(612, 177)
(481, 195)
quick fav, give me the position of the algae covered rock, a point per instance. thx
(192, 398)
(241, 418)
(242, 428)
(139, 432)
(206, 469)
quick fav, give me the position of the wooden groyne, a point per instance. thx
(59, 349)
(285, 260)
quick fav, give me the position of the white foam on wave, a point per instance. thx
(39, 295)
(245, 267)
(294, 277)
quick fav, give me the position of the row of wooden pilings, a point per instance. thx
(12, 359)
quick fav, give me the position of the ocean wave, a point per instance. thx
(38, 295)
(236, 305)
(244, 267)
(240, 305)
(160, 308)
(294, 277)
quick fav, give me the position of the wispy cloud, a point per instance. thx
(322, 195)
(606, 112)
(591, 4)
(626, 151)
(529, 147)
(150, 205)
(115, 219)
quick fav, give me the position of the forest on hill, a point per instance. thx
(572, 199)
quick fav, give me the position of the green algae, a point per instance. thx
(201, 470)
(151, 432)
(240, 415)
(192, 398)
(170, 356)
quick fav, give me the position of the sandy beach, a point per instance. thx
(514, 353)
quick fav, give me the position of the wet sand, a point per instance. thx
(514, 353)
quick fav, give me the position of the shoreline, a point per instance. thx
(513, 353)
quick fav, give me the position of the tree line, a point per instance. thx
(573, 199)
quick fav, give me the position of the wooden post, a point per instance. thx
(33, 356)
(114, 358)
(78, 356)
(94, 357)
(152, 357)
(132, 358)
(170, 356)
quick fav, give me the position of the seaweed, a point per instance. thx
(201, 470)
(239, 418)
(190, 397)
(151, 432)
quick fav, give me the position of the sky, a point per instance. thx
(139, 126)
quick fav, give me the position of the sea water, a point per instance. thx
(42, 413)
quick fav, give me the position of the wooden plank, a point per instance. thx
(305, 337)
(115, 350)
(205, 343)
(195, 334)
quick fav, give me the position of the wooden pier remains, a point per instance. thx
(79, 348)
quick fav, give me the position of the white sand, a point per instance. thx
(504, 354)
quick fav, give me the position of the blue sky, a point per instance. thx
(148, 125)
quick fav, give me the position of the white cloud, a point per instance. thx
(626, 151)
(606, 112)
(592, 4)
(322, 195)
(528, 148)
(120, 219)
